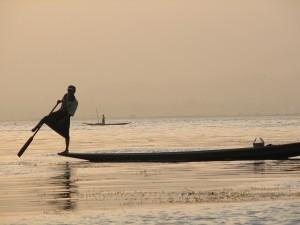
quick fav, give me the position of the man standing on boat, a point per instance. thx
(103, 119)
(59, 121)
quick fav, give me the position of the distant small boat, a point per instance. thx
(105, 124)
(269, 152)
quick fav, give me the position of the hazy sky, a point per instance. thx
(150, 57)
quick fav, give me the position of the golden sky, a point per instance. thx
(147, 58)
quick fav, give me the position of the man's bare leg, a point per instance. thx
(38, 125)
(67, 145)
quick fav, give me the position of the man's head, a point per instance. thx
(71, 89)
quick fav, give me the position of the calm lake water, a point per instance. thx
(44, 188)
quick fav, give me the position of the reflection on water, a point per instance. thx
(273, 166)
(65, 195)
(259, 167)
(64, 198)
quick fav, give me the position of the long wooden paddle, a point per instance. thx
(20, 153)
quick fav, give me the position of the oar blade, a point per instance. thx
(20, 153)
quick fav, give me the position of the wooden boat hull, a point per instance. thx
(272, 152)
(105, 124)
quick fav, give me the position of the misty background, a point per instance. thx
(141, 58)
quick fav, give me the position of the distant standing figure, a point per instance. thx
(59, 120)
(103, 119)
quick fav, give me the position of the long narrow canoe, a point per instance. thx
(271, 152)
(104, 124)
